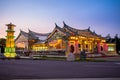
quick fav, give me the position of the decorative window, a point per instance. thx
(111, 48)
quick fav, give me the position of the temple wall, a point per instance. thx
(21, 42)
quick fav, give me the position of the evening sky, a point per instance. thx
(103, 16)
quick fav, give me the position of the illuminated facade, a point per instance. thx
(111, 45)
(31, 41)
(60, 39)
(63, 38)
(10, 45)
(21, 42)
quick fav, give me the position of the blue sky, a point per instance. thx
(103, 16)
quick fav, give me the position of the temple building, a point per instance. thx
(61, 39)
(113, 44)
(31, 41)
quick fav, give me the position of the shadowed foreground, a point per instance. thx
(44, 69)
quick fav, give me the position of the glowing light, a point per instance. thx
(74, 38)
(21, 45)
(10, 46)
(103, 41)
(11, 55)
(111, 44)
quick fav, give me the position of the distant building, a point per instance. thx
(60, 39)
(113, 44)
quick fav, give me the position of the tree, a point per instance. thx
(2, 44)
(117, 44)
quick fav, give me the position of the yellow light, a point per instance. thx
(20, 45)
(73, 38)
(76, 38)
(10, 46)
(10, 55)
(111, 44)
(81, 37)
(103, 41)
(7, 54)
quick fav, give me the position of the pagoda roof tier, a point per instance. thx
(10, 24)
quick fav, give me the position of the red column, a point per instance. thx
(76, 46)
(105, 47)
(99, 47)
(69, 46)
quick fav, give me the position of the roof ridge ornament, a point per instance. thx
(56, 25)
(64, 23)
(89, 28)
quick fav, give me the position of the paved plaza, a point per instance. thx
(46, 69)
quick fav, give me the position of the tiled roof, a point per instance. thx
(40, 36)
(84, 32)
(66, 31)
(24, 33)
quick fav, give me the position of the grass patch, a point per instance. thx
(64, 58)
(49, 58)
(90, 60)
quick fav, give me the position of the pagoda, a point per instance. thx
(10, 45)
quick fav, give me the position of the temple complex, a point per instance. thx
(61, 39)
